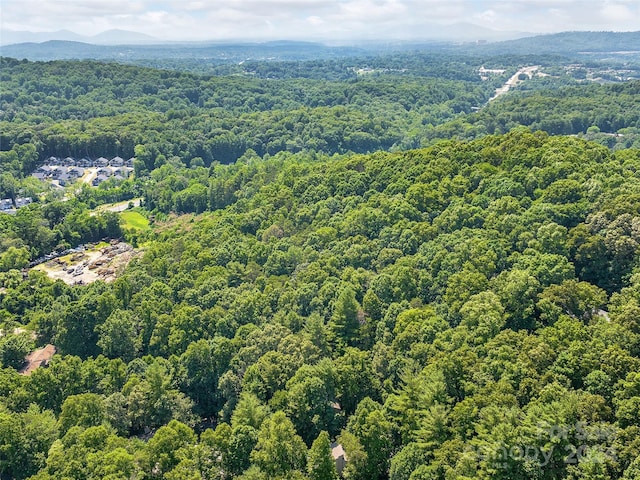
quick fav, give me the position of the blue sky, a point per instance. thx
(314, 19)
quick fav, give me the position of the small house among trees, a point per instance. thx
(38, 358)
(339, 456)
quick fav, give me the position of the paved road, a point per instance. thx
(89, 174)
(116, 207)
(514, 80)
(122, 206)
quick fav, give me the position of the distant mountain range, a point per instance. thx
(135, 48)
(459, 32)
(110, 37)
(216, 53)
(570, 42)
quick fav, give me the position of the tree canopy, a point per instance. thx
(464, 310)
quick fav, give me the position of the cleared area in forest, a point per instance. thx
(104, 261)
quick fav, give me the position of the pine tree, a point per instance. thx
(320, 464)
(344, 322)
(279, 449)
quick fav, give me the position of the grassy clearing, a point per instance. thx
(134, 220)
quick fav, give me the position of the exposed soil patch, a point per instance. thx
(80, 268)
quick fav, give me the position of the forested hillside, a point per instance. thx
(93, 109)
(469, 310)
(567, 110)
(570, 42)
(359, 251)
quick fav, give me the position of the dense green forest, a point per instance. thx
(94, 109)
(565, 110)
(360, 250)
(463, 311)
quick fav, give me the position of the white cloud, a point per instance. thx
(314, 19)
(488, 17)
(616, 12)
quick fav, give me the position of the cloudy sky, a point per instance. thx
(314, 19)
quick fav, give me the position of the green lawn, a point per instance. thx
(134, 220)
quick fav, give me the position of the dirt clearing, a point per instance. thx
(101, 262)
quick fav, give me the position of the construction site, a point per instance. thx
(94, 262)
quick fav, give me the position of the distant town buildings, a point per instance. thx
(485, 73)
(7, 205)
(23, 201)
(63, 171)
